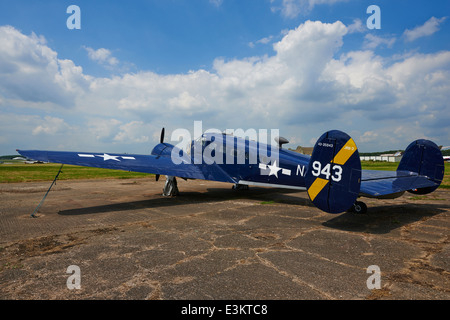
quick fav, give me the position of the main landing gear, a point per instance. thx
(170, 187)
(358, 207)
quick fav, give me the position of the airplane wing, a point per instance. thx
(389, 184)
(155, 164)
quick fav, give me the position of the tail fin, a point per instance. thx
(333, 177)
(424, 158)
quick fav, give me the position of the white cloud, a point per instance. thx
(292, 8)
(51, 126)
(371, 41)
(306, 87)
(186, 101)
(368, 136)
(102, 129)
(217, 3)
(427, 29)
(356, 26)
(30, 71)
(264, 40)
(102, 56)
(134, 132)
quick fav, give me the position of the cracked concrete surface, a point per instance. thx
(212, 242)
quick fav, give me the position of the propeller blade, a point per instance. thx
(161, 140)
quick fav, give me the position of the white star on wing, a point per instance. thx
(106, 156)
(274, 169)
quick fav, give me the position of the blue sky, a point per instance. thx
(300, 66)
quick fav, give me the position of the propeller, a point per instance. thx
(161, 140)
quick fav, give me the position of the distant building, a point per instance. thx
(303, 150)
(388, 157)
(393, 157)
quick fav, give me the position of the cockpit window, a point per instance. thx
(202, 140)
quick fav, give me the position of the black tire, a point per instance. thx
(359, 207)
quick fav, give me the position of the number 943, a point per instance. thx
(334, 171)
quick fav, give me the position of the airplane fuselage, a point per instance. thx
(250, 162)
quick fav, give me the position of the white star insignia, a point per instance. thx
(106, 156)
(274, 169)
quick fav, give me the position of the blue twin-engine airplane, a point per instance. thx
(332, 175)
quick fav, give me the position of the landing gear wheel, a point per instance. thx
(170, 187)
(359, 207)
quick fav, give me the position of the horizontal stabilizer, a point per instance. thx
(381, 188)
(420, 171)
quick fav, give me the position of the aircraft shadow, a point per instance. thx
(385, 218)
(380, 219)
(212, 195)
